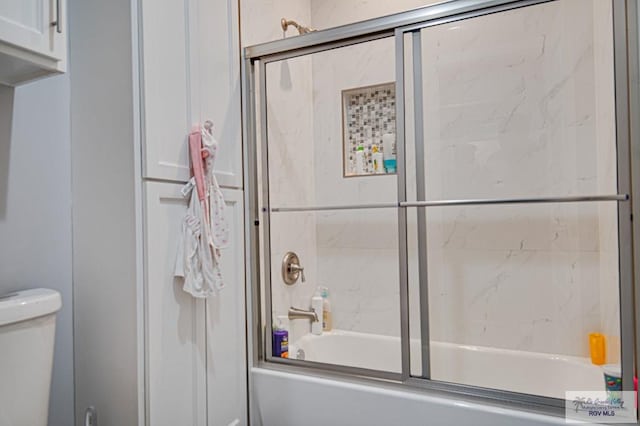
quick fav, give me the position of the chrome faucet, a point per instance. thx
(295, 313)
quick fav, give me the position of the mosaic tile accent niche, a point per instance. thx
(367, 114)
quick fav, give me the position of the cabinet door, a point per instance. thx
(217, 59)
(226, 331)
(191, 61)
(27, 25)
(166, 96)
(175, 329)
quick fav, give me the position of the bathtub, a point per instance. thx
(283, 398)
(517, 371)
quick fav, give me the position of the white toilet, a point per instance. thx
(27, 331)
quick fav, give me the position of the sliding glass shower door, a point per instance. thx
(445, 201)
(513, 197)
(326, 114)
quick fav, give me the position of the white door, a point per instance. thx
(226, 330)
(191, 63)
(29, 25)
(175, 326)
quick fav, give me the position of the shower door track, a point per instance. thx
(625, 33)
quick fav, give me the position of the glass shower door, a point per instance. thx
(445, 203)
(329, 200)
(513, 198)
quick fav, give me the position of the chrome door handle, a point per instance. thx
(57, 22)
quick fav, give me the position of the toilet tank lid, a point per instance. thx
(27, 304)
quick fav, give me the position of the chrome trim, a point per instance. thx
(403, 258)
(322, 48)
(251, 214)
(533, 200)
(58, 18)
(390, 205)
(627, 332)
(634, 147)
(306, 366)
(251, 229)
(266, 234)
(446, 203)
(421, 194)
(383, 25)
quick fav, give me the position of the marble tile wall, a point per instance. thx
(516, 115)
(516, 104)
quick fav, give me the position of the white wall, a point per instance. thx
(104, 212)
(35, 212)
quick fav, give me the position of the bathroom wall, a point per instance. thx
(35, 212)
(290, 133)
(357, 250)
(506, 114)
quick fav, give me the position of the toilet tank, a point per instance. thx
(27, 332)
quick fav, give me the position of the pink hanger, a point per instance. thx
(198, 154)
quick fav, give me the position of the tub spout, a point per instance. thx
(295, 313)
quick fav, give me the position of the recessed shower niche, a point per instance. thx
(369, 130)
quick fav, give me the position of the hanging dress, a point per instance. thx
(204, 228)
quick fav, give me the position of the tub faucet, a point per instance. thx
(295, 313)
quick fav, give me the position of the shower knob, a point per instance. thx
(291, 269)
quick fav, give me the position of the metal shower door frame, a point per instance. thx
(257, 218)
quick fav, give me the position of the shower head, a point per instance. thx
(284, 23)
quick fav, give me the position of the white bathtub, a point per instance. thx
(517, 371)
(282, 398)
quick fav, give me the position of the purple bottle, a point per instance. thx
(280, 343)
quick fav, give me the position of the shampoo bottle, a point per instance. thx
(316, 305)
(327, 320)
(360, 160)
(389, 152)
(378, 166)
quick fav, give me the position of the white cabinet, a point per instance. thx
(226, 329)
(196, 362)
(175, 321)
(191, 63)
(32, 39)
(146, 352)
